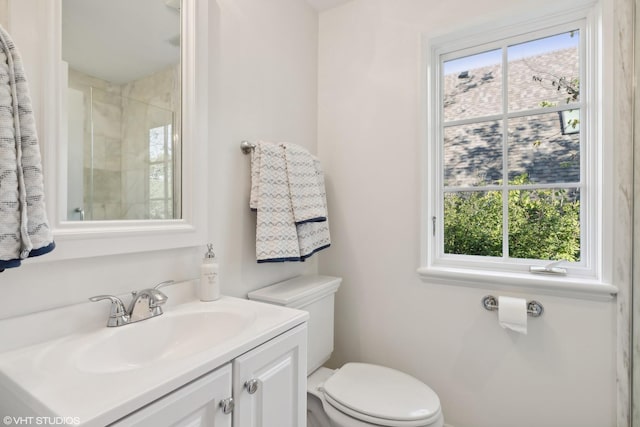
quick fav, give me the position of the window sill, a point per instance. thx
(574, 287)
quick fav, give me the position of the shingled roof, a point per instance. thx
(537, 145)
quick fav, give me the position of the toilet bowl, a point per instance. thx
(364, 395)
(357, 394)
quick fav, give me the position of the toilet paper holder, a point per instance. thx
(534, 308)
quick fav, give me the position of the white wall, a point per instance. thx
(563, 373)
(262, 85)
(264, 69)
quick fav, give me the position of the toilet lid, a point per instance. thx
(382, 395)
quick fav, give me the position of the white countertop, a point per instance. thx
(48, 378)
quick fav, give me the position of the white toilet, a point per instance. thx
(357, 394)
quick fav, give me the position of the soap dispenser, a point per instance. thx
(209, 280)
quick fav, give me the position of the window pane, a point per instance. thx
(157, 180)
(169, 182)
(473, 86)
(544, 72)
(156, 144)
(473, 223)
(541, 151)
(473, 154)
(157, 209)
(544, 224)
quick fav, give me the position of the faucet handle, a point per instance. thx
(118, 315)
(157, 297)
(165, 283)
(158, 286)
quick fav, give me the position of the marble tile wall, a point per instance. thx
(102, 145)
(635, 290)
(148, 103)
(116, 139)
(623, 57)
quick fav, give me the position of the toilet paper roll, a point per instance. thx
(512, 314)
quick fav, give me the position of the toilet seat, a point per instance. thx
(380, 395)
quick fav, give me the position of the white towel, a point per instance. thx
(24, 229)
(305, 189)
(278, 237)
(314, 236)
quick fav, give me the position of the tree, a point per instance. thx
(543, 224)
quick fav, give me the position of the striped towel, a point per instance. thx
(314, 236)
(305, 190)
(291, 211)
(24, 229)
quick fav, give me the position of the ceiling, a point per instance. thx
(322, 5)
(123, 40)
(120, 40)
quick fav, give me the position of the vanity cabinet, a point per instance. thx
(195, 404)
(270, 382)
(268, 385)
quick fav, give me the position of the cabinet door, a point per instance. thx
(270, 382)
(195, 404)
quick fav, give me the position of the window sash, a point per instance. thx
(581, 20)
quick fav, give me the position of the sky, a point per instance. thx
(514, 52)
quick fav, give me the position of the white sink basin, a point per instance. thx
(102, 374)
(165, 337)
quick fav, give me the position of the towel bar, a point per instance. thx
(534, 308)
(246, 147)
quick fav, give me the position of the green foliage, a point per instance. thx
(473, 223)
(543, 224)
(547, 104)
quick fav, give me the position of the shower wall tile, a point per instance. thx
(148, 103)
(623, 160)
(107, 185)
(107, 119)
(634, 336)
(102, 145)
(136, 211)
(147, 88)
(121, 118)
(113, 154)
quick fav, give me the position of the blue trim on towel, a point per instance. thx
(13, 263)
(293, 259)
(43, 250)
(314, 251)
(260, 261)
(317, 219)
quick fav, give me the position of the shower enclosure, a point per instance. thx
(123, 151)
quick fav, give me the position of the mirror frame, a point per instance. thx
(76, 239)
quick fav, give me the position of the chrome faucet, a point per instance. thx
(118, 315)
(145, 304)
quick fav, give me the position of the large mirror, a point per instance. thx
(123, 97)
(124, 92)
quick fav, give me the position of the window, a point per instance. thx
(160, 173)
(513, 174)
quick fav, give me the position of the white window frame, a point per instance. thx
(591, 275)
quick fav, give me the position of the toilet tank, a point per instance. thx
(314, 294)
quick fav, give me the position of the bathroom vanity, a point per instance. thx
(222, 363)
